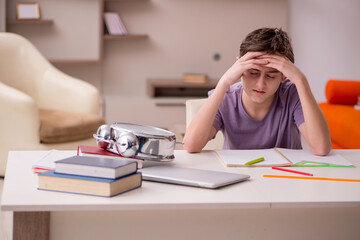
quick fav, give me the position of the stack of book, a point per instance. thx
(113, 24)
(92, 176)
(47, 163)
(84, 150)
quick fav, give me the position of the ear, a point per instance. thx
(283, 78)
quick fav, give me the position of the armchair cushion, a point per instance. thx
(342, 91)
(28, 82)
(343, 122)
(60, 126)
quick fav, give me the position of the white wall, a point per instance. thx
(183, 37)
(326, 40)
(74, 34)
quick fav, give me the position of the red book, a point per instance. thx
(84, 150)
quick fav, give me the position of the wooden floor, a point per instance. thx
(6, 219)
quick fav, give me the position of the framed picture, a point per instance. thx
(27, 11)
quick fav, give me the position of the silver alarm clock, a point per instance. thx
(137, 141)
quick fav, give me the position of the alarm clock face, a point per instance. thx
(137, 141)
(103, 136)
(127, 144)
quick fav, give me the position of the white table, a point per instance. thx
(259, 208)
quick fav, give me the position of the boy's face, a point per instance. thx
(261, 83)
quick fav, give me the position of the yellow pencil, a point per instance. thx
(313, 178)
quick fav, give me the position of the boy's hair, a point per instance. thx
(269, 40)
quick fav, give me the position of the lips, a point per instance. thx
(260, 92)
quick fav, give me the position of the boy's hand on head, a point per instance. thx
(285, 66)
(246, 62)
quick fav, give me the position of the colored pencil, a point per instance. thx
(292, 171)
(260, 159)
(313, 178)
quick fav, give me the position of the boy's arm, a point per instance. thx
(201, 129)
(314, 129)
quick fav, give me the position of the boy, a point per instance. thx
(269, 108)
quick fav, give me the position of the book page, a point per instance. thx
(299, 155)
(238, 158)
(48, 161)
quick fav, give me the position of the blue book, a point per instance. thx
(106, 187)
(96, 166)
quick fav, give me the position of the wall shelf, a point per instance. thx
(44, 22)
(128, 36)
(178, 88)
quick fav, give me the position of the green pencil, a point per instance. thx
(255, 161)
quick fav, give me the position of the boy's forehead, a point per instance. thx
(265, 69)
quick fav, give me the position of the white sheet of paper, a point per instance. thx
(48, 161)
(240, 157)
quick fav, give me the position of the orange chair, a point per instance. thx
(341, 116)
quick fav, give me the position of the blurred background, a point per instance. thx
(177, 37)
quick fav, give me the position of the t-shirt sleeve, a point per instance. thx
(297, 110)
(298, 114)
(218, 122)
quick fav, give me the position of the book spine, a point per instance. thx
(112, 24)
(120, 24)
(107, 23)
(116, 24)
(139, 161)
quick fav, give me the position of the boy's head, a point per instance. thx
(269, 40)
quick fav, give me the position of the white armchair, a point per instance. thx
(28, 82)
(192, 107)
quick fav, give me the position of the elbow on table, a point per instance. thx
(322, 150)
(191, 148)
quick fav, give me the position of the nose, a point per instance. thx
(260, 83)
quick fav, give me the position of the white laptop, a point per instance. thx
(191, 177)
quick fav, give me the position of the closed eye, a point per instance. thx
(254, 73)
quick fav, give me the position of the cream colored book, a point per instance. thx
(104, 187)
(195, 78)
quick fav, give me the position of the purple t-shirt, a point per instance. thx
(279, 127)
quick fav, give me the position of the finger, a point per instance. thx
(260, 61)
(269, 58)
(275, 66)
(251, 55)
(275, 55)
(254, 64)
(279, 62)
(255, 61)
(251, 64)
(274, 58)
